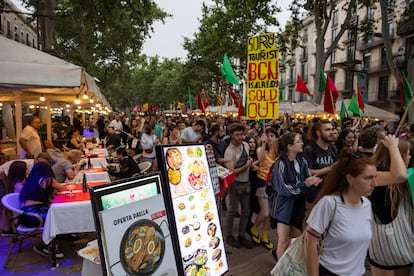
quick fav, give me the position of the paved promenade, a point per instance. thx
(256, 261)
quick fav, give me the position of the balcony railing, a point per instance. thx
(381, 68)
(405, 28)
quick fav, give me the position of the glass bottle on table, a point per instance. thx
(84, 184)
(89, 162)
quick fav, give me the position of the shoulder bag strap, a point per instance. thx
(322, 239)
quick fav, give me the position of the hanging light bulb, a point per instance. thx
(42, 98)
(77, 101)
(91, 100)
(85, 96)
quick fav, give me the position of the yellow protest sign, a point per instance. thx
(262, 99)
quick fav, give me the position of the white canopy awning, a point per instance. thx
(27, 73)
(369, 110)
(34, 72)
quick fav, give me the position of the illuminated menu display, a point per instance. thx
(197, 221)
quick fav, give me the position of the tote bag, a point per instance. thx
(292, 262)
(393, 243)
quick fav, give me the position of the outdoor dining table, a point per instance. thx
(69, 214)
(96, 162)
(97, 151)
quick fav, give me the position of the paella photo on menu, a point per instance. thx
(138, 239)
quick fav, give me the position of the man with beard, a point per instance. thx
(320, 153)
(238, 161)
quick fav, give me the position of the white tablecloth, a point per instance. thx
(103, 151)
(70, 217)
(96, 162)
(91, 176)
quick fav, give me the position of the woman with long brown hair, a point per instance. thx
(267, 154)
(290, 179)
(391, 250)
(342, 211)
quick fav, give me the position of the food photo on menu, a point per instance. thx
(197, 221)
(138, 239)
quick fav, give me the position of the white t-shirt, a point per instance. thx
(117, 126)
(346, 245)
(189, 134)
(147, 143)
(33, 141)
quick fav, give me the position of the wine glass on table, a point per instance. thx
(71, 186)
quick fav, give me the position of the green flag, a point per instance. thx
(190, 99)
(407, 91)
(281, 98)
(354, 106)
(343, 114)
(410, 178)
(322, 82)
(227, 71)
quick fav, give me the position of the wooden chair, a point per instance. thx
(19, 233)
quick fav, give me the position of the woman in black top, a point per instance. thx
(75, 140)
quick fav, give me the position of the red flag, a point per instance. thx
(157, 107)
(331, 95)
(360, 100)
(301, 86)
(206, 100)
(149, 108)
(234, 97)
(241, 109)
(200, 103)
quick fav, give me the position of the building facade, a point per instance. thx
(14, 25)
(356, 54)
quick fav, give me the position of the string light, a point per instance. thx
(77, 101)
(42, 98)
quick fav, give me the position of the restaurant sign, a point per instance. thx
(262, 98)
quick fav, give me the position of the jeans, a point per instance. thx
(238, 192)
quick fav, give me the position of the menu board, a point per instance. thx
(193, 204)
(138, 239)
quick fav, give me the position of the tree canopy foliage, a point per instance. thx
(225, 27)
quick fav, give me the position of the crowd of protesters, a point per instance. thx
(297, 177)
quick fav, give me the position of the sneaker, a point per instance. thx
(245, 243)
(44, 251)
(7, 233)
(41, 249)
(59, 254)
(231, 240)
(267, 244)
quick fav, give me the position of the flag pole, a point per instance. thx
(221, 106)
(332, 102)
(202, 104)
(404, 117)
